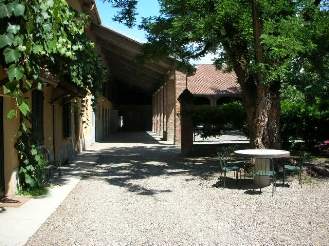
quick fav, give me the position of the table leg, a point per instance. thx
(262, 165)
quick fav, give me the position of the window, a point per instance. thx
(67, 120)
(37, 116)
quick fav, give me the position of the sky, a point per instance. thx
(145, 8)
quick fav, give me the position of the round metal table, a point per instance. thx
(262, 161)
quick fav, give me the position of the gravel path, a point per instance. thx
(143, 193)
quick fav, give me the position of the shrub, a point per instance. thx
(303, 120)
(229, 116)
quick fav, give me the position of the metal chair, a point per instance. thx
(296, 167)
(228, 166)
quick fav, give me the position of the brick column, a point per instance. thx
(153, 113)
(171, 104)
(158, 113)
(186, 103)
(180, 86)
(164, 91)
(161, 110)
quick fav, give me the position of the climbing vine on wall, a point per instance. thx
(38, 35)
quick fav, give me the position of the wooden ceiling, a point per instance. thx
(121, 55)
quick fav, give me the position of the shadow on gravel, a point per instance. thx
(122, 166)
(232, 183)
(131, 137)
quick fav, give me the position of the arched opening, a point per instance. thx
(201, 101)
(227, 99)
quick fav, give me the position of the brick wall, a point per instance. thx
(170, 108)
(180, 87)
(166, 108)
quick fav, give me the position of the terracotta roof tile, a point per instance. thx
(207, 80)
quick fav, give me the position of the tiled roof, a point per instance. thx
(207, 80)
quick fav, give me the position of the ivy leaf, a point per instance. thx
(11, 114)
(24, 127)
(51, 44)
(24, 108)
(6, 40)
(18, 40)
(34, 151)
(37, 49)
(6, 90)
(15, 73)
(18, 9)
(11, 55)
(4, 11)
(13, 28)
(37, 158)
(29, 180)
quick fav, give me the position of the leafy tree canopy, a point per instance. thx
(266, 42)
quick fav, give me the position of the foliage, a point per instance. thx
(213, 120)
(37, 192)
(32, 164)
(127, 12)
(307, 121)
(37, 35)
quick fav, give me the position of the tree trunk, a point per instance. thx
(263, 116)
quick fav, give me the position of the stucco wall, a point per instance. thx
(10, 157)
(87, 131)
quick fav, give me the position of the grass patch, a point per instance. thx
(34, 192)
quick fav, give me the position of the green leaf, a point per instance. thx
(34, 152)
(24, 127)
(6, 40)
(13, 28)
(11, 114)
(37, 49)
(39, 86)
(29, 180)
(11, 55)
(18, 9)
(15, 73)
(18, 40)
(51, 45)
(4, 11)
(24, 108)
(5, 90)
(30, 168)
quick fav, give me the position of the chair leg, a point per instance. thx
(224, 179)
(253, 180)
(300, 178)
(274, 185)
(236, 176)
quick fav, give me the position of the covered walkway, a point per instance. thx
(141, 192)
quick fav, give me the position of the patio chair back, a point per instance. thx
(221, 161)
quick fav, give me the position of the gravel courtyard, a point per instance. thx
(140, 192)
